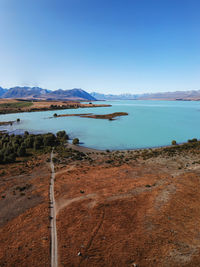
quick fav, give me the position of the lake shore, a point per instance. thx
(9, 106)
(148, 124)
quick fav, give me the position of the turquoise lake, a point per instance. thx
(149, 124)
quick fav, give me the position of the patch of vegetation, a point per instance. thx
(15, 146)
(68, 154)
(23, 188)
(192, 146)
(21, 104)
(192, 140)
(75, 141)
(67, 106)
(109, 161)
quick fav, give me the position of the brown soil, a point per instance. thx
(144, 212)
(24, 216)
(114, 208)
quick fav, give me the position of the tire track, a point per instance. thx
(94, 234)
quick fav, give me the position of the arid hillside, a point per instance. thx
(24, 216)
(120, 208)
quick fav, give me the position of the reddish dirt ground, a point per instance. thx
(139, 213)
(24, 217)
(132, 214)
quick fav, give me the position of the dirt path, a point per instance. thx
(62, 203)
(54, 245)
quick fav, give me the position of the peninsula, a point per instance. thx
(111, 116)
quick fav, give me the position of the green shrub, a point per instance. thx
(39, 140)
(49, 139)
(1, 157)
(29, 142)
(36, 145)
(26, 133)
(173, 142)
(75, 141)
(192, 140)
(62, 134)
(11, 158)
(21, 152)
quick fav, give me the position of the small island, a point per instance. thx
(8, 122)
(110, 116)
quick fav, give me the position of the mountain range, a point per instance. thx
(39, 93)
(81, 95)
(177, 95)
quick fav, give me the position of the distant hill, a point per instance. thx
(99, 96)
(2, 91)
(81, 95)
(39, 93)
(178, 95)
(25, 92)
(73, 94)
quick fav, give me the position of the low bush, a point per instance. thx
(173, 142)
(75, 141)
(192, 140)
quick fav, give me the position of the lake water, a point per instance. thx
(149, 124)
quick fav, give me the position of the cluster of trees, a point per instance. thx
(194, 140)
(67, 106)
(13, 146)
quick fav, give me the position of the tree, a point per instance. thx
(39, 140)
(49, 139)
(62, 134)
(21, 152)
(29, 142)
(173, 142)
(18, 139)
(10, 158)
(1, 157)
(75, 141)
(26, 133)
(192, 140)
(15, 147)
(36, 145)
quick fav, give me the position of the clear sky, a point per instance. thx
(107, 46)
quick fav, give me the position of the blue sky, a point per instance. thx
(108, 46)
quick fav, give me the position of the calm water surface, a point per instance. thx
(149, 124)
